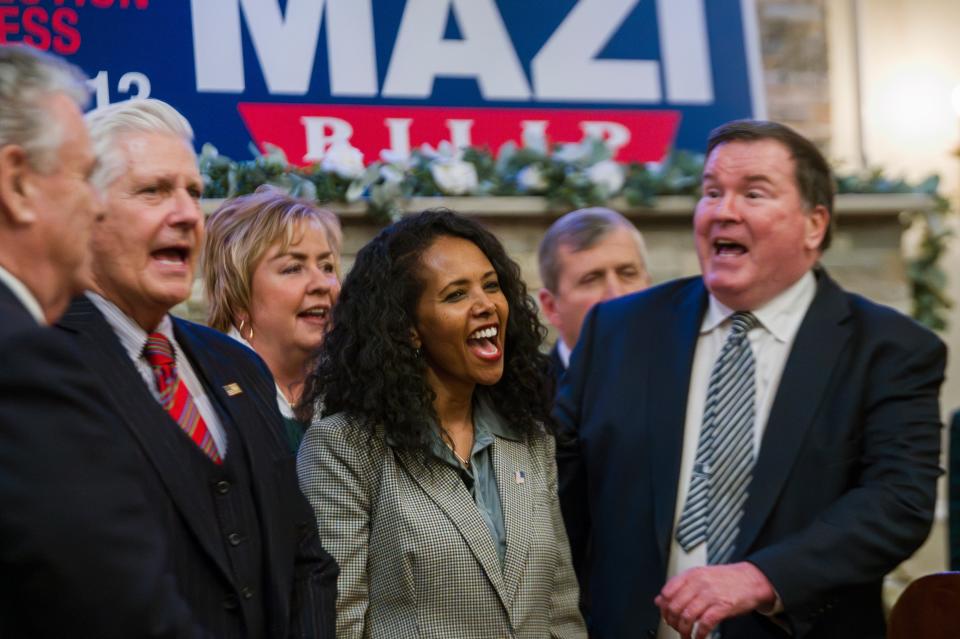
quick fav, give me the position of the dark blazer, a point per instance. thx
(80, 550)
(844, 483)
(953, 475)
(299, 577)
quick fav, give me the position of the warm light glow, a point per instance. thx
(955, 100)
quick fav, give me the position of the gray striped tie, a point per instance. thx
(724, 462)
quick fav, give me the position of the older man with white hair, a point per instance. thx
(244, 550)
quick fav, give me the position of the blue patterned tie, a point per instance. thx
(724, 462)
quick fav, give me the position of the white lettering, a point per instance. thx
(614, 134)
(566, 67)
(135, 78)
(533, 133)
(100, 83)
(460, 133)
(421, 54)
(322, 133)
(217, 48)
(399, 135)
(286, 45)
(350, 48)
(685, 50)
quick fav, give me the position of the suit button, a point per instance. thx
(246, 592)
(234, 539)
(222, 487)
(230, 602)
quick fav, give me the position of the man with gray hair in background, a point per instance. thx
(244, 549)
(586, 257)
(79, 551)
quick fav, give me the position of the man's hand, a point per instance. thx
(700, 598)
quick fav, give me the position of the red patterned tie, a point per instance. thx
(174, 395)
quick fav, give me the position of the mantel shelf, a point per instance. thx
(871, 205)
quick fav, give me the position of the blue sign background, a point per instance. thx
(158, 41)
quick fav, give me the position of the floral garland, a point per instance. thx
(569, 176)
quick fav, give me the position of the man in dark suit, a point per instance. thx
(244, 550)
(79, 551)
(586, 257)
(758, 447)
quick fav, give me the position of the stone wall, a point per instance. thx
(865, 256)
(793, 44)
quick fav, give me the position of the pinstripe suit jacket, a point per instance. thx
(417, 559)
(298, 576)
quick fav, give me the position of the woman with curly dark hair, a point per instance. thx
(431, 469)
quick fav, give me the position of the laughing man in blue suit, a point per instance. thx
(756, 447)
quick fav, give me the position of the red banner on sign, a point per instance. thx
(306, 131)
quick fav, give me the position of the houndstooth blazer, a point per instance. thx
(416, 558)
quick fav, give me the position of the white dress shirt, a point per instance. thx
(770, 342)
(133, 338)
(22, 293)
(564, 352)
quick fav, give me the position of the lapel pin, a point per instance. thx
(519, 476)
(232, 389)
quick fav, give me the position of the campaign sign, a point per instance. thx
(644, 75)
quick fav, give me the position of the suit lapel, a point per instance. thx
(806, 376)
(147, 420)
(509, 457)
(442, 484)
(672, 351)
(12, 304)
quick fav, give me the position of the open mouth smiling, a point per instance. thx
(176, 255)
(315, 313)
(485, 343)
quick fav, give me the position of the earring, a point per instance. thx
(240, 330)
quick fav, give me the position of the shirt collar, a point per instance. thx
(564, 352)
(781, 316)
(487, 423)
(132, 337)
(487, 419)
(24, 295)
(286, 410)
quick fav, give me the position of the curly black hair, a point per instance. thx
(368, 365)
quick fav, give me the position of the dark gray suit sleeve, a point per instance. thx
(887, 515)
(80, 555)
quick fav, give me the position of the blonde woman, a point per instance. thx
(271, 270)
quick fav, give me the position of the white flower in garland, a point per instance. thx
(608, 176)
(452, 175)
(530, 179)
(343, 159)
(573, 153)
(391, 174)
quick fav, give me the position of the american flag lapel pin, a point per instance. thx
(520, 476)
(232, 389)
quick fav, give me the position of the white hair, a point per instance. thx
(108, 124)
(28, 79)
